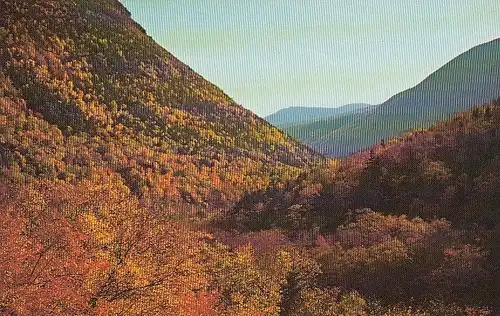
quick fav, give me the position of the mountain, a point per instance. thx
(84, 89)
(115, 157)
(471, 78)
(374, 203)
(111, 151)
(301, 114)
(447, 171)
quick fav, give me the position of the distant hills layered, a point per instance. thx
(303, 114)
(130, 185)
(470, 79)
(450, 171)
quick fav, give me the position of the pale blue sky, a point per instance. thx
(271, 54)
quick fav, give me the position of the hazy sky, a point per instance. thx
(271, 54)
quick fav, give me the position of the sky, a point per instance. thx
(272, 54)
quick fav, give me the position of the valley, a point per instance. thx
(469, 79)
(131, 185)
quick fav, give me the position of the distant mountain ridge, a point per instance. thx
(469, 79)
(301, 114)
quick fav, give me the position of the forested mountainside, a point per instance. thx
(284, 118)
(448, 171)
(446, 176)
(83, 87)
(469, 79)
(103, 134)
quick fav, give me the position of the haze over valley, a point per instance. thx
(472, 78)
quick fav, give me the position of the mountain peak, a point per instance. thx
(105, 92)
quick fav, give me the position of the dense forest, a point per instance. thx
(130, 185)
(413, 219)
(298, 115)
(469, 79)
(84, 87)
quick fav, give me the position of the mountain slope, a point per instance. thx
(449, 171)
(471, 78)
(83, 88)
(300, 114)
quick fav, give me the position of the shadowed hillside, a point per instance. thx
(130, 185)
(472, 78)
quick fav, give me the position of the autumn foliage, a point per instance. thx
(92, 248)
(129, 185)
